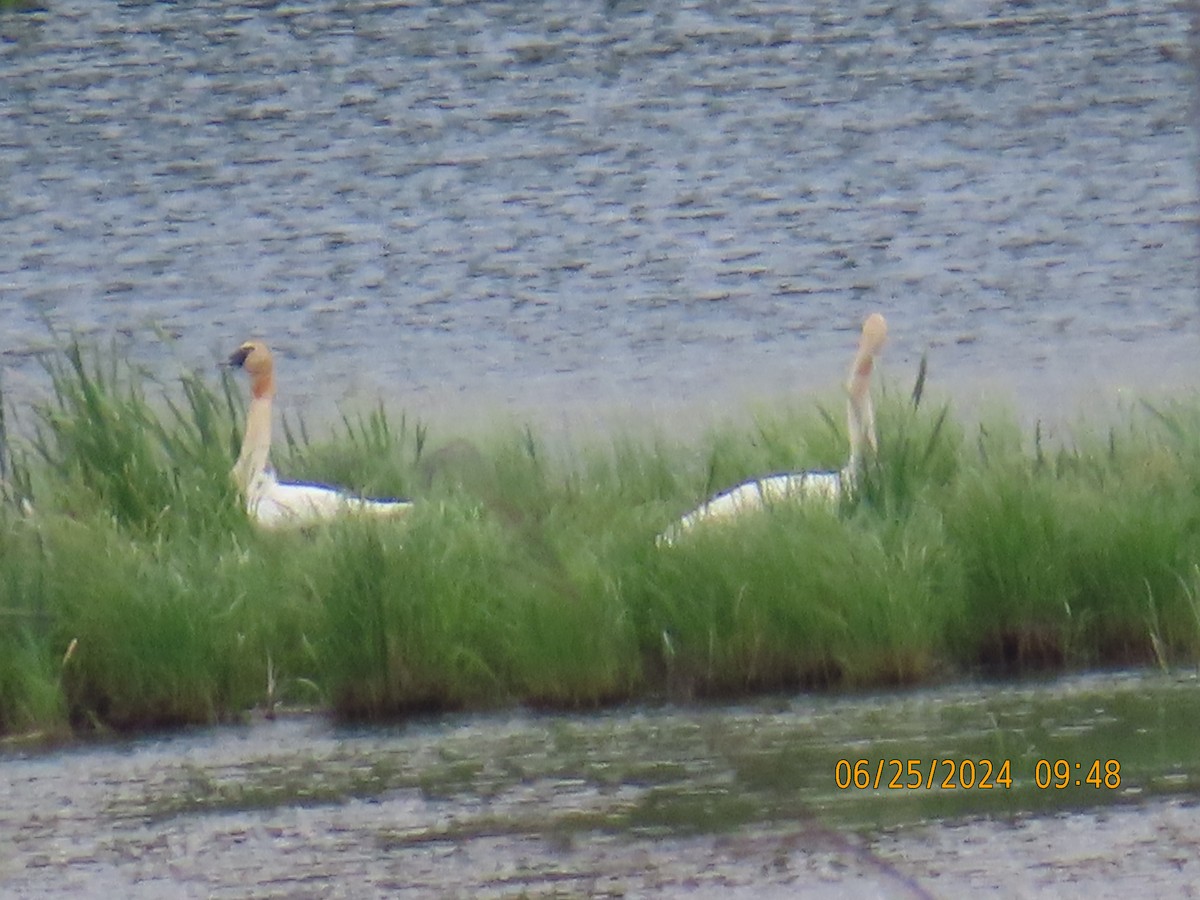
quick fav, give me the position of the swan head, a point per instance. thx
(255, 360)
(874, 334)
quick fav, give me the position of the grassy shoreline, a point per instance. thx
(529, 574)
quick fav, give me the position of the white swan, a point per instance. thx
(759, 493)
(270, 502)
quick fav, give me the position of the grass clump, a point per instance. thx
(109, 449)
(168, 632)
(367, 454)
(1076, 557)
(463, 606)
(797, 598)
(136, 593)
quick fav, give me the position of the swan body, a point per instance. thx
(272, 503)
(816, 486)
(759, 493)
(278, 504)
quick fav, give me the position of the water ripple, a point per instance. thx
(552, 208)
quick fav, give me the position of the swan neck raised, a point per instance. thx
(860, 413)
(256, 442)
(262, 384)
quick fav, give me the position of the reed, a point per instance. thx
(1075, 556)
(152, 467)
(160, 632)
(530, 573)
(470, 603)
(366, 455)
(31, 696)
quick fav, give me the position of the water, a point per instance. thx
(674, 800)
(573, 209)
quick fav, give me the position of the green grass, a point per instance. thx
(529, 573)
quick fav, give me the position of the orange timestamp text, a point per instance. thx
(971, 774)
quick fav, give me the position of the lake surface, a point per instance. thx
(566, 210)
(569, 209)
(749, 800)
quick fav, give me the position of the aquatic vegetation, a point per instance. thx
(137, 594)
(157, 465)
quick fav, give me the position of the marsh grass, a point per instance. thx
(529, 573)
(161, 632)
(153, 467)
(1075, 555)
(920, 447)
(31, 696)
(799, 597)
(366, 455)
(474, 620)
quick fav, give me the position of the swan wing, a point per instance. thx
(758, 494)
(275, 504)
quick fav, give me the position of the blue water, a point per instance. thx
(746, 801)
(554, 208)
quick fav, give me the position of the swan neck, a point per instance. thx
(860, 424)
(256, 442)
(262, 385)
(860, 413)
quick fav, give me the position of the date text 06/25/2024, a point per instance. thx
(969, 774)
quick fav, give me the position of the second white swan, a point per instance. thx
(759, 493)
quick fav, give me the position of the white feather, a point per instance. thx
(761, 493)
(281, 504)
